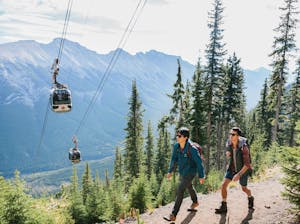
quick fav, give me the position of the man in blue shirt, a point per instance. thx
(189, 163)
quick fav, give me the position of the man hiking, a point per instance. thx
(187, 158)
(239, 167)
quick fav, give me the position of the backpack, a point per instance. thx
(198, 147)
(245, 142)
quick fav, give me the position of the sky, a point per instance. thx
(176, 27)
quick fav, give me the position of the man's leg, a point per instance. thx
(224, 189)
(192, 192)
(184, 183)
(243, 183)
(193, 195)
(227, 180)
(223, 207)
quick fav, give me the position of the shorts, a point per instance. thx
(243, 179)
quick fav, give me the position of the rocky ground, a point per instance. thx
(269, 206)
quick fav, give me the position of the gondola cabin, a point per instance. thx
(60, 100)
(74, 155)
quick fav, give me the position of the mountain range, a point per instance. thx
(25, 82)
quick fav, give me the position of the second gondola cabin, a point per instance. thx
(60, 99)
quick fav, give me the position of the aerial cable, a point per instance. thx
(113, 60)
(43, 130)
(64, 32)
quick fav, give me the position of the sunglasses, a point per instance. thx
(179, 136)
(232, 134)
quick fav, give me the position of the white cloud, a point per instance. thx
(172, 26)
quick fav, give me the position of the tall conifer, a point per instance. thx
(199, 106)
(177, 98)
(149, 151)
(293, 111)
(284, 44)
(134, 140)
(214, 54)
(86, 182)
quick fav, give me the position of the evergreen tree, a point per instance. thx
(186, 117)
(15, 203)
(291, 168)
(283, 44)
(140, 194)
(177, 98)
(293, 110)
(234, 96)
(214, 54)
(163, 150)
(118, 164)
(117, 204)
(86, 182)
(76, 208)
(263, 115)
(149, 151)
(198, 114)
(134, 139)
(232, 109)
(95, 202)
(161, 159)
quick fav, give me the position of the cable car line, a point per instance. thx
(57, 101)
(64, 32)
(43, 130)
(55, 67)
(133, 20)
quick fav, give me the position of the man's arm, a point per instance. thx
(197, 159)
(246, 160)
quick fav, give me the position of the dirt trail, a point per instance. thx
(270, 207)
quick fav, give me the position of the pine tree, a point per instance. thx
(263, 115)
(214, 55)
(234, 96)
(177, 98)
(293, 111)
(198, 117)
(140, 194)
(118, 164)
(186, 118)
(291, 168)
(76, 208)
(86, 182)
(15, 203)
(283, 45)
(95, 202)
(133, 157)
(160, 159)
(163, 150)
(149, 151)
(232, 109)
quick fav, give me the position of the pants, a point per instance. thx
(185, 182)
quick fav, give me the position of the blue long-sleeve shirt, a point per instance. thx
(187, 164)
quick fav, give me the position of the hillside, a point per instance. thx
(270, 207)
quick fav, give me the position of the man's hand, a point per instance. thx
(201, 180)
(169, 175)
(236, 177)
(228, 154)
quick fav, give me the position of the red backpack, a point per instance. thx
(198, 147)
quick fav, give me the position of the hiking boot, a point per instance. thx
(250, 202)
(194, 205)
(222, 209)
(170, 217)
